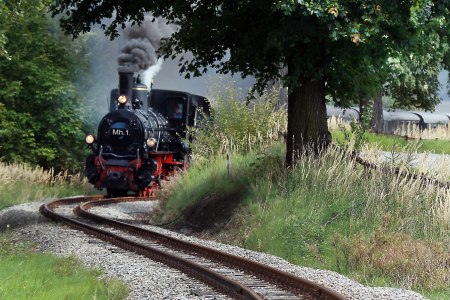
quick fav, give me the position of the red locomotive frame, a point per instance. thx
(166, 167)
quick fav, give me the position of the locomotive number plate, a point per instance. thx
(120, 132)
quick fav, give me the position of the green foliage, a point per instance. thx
(317, 39)
(356, 137)
(413, 79)
(236, 126)
(344, 43)
(26, 274)
(39, 110)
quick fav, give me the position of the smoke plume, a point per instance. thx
(140, 52)
(150, 73)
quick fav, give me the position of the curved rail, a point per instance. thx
(286, 280)
(228, 286)
(294, 284)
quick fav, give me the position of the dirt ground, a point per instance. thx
(211, 213)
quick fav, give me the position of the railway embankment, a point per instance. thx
(379, 228)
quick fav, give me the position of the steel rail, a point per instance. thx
(218, 281)
(294, 284)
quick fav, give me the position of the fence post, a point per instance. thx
(228, 165)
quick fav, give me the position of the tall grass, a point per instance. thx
(440, 132)
(238, 126)
(21, 183)
(329, 212)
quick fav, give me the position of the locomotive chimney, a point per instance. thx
(126, 84)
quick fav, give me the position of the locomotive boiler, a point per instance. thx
(142, 139)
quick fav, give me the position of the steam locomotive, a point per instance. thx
(142, 139)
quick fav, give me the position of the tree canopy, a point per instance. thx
(330, 48)
(39, 119)
(413, 78)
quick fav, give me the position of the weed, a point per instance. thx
(237, 126)
(407, 262)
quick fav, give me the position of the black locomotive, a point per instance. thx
(142, 139)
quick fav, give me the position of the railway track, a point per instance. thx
(234, 276)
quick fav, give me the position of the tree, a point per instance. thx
(410, 75)
(320, 42)
(413, 80)
(39, 119)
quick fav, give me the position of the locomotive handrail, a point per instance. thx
(118, 146)
(100, 157)
(159, 129)
(117, 155)
(138, 158)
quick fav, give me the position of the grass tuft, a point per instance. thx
(27, 274)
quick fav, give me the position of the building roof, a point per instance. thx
(343, 113)
(400, 115)
(432, 118)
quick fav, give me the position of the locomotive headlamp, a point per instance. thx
(151, 142)
(89, 139)
(122, 99)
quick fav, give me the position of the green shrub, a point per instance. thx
(237, 126)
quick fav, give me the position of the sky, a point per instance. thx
(444, 106)
(169, 78)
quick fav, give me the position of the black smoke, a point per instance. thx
(140, 52)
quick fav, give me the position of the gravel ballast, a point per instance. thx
(151, 280)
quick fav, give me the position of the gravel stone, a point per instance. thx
(151, 280)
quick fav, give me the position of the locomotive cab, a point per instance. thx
(180, 108)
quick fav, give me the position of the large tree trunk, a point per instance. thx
(307, 120)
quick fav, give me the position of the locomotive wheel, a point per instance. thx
(114, 193)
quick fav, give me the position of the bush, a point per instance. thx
(237, 126)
